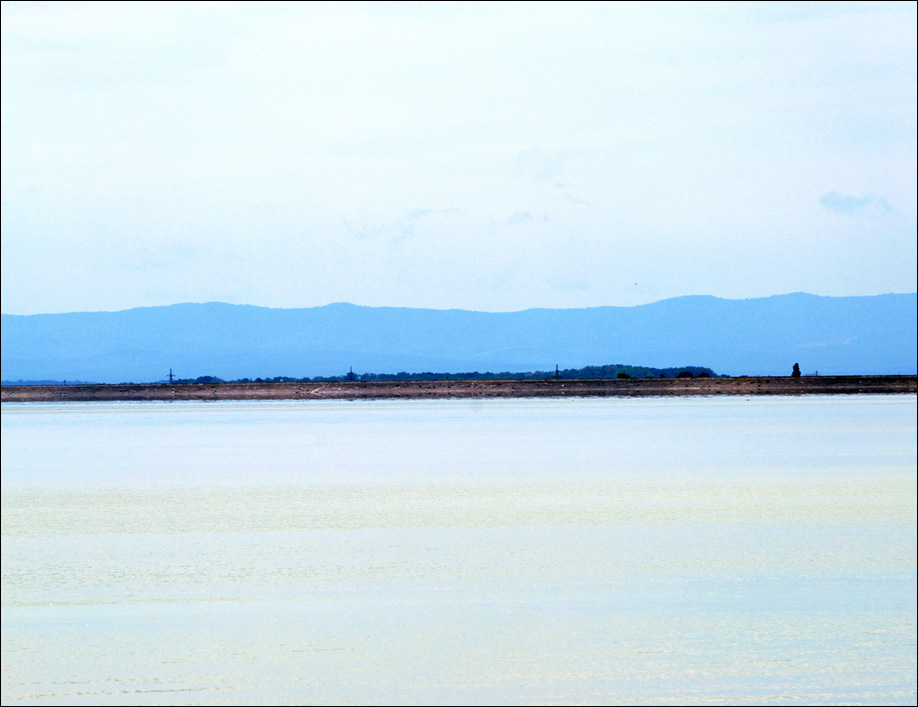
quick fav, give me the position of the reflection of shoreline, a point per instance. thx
(816, 385)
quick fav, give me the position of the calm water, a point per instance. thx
(706, 550)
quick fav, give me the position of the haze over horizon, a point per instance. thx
(485, 157)
(447, 309)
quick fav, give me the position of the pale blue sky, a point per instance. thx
(490, 157)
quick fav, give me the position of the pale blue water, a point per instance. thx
(706, 550)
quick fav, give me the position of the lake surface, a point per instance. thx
(588, 551)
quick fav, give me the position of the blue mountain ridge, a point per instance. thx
(765, 336)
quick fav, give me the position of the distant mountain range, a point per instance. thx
(766, 336)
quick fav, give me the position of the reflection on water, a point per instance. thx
(514, 551)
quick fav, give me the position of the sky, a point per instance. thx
(492, 157)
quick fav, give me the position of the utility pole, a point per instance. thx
(557, 372)
(171, 379)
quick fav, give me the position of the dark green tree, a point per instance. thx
(796, 372)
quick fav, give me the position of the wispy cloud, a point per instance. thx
(518, 218)
(849, 204)
(400, 229)
(540, 166)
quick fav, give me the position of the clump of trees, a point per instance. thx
(200, 379)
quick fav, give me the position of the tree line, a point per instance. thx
(587, 372)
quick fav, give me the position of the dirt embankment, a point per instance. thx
(816, 385)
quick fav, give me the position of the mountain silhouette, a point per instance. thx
(765, 336)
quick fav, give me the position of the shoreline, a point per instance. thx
(553, 388)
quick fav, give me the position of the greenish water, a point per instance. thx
(704, 550)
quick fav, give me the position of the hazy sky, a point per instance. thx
(490, 157)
